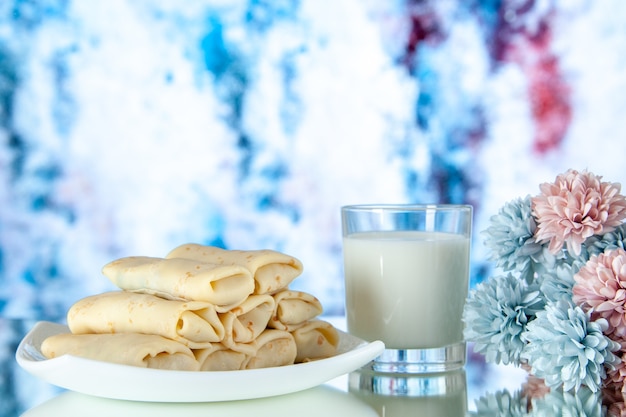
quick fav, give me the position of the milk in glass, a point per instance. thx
(407, 288)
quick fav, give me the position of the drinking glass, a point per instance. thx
(406, 281)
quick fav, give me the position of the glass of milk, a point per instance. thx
(406, 273)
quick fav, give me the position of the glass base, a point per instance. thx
(420, 361)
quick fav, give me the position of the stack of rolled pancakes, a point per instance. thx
(201, 308)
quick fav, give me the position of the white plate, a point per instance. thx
(110, 380)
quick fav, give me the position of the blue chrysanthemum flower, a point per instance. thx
(598, 244)
(567, 349)
(583, 403)
(558, 282)
(545, 261)
(500, 404)
(510, 237)
(496, 315)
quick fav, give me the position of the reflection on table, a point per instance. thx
(323, 400)
(433, 395)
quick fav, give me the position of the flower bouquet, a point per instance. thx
(557, 305)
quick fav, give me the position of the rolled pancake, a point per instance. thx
(317, 339)
(273, 348)
(223, 285)
(271, 270)
(244, 323)
(293, 309)
(220, 358)
(143, 350)
(192, 323)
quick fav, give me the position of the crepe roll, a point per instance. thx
(293, 309)
(223, 285)
(194, 323)
(218, 357)
(271, 270)
(143, 350)
(244, 323)
(317, 339)
(273, 348)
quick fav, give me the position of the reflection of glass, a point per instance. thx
(393, 395)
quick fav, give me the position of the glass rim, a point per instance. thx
(406, 207)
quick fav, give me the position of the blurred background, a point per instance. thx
(128, 128)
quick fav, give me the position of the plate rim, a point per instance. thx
(309, 374)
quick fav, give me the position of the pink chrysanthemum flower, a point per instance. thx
(576, 206)
(534, 387)
(617, 409)
(613, 399)
(616, 376)
(600, 287)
